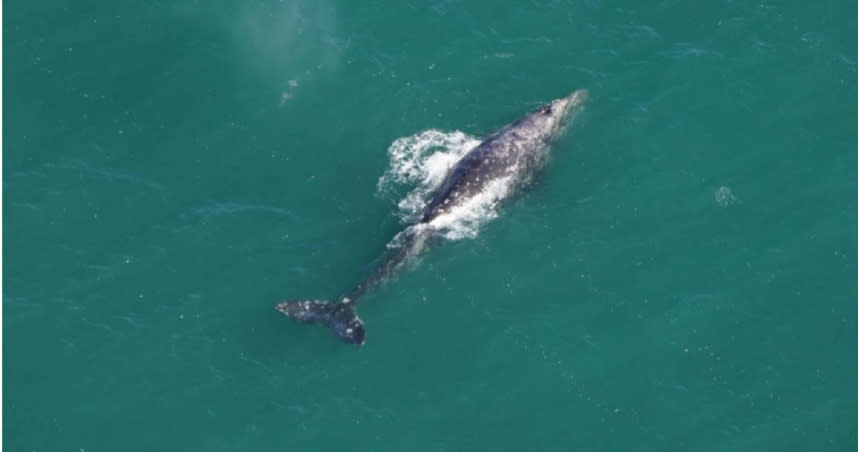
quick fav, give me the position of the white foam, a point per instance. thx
(464, 221)
(418, 165)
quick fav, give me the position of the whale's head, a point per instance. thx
(549, 121)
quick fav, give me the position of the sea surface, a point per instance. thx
(682, 277)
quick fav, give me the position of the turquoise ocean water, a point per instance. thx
(683, 276)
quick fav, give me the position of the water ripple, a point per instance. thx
(229, 208)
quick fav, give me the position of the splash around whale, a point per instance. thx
(482, 178)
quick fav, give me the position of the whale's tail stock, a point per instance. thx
(339, 316)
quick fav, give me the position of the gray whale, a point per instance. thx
(512, 154)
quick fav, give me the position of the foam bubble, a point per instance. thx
(724, 196)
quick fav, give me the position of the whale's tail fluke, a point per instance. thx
(340, 317)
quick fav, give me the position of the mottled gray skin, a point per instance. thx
(516, 151)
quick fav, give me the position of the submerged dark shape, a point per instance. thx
(514, 152)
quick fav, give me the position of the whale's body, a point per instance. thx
(505, 160)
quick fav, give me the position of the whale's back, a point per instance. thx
(503, 155)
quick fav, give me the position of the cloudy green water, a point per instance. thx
(683, 277)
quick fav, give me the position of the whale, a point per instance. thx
(507, 159)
